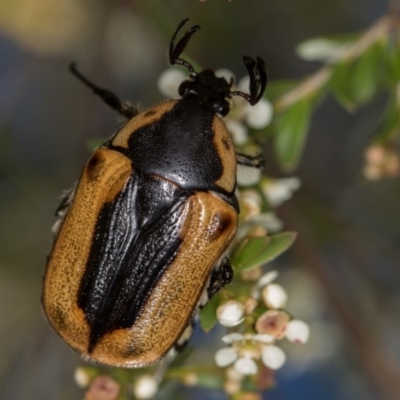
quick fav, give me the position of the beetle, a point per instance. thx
(142, 238)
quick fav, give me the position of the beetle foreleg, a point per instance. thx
(256, 161)
(125, 109)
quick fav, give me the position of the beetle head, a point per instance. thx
(207, 87)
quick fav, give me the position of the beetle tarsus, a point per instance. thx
(256, 161)
(125, 109)
(176, 51)
(220, 277)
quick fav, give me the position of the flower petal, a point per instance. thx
(264, 338)
(169, 82)
(273, 357)
(237, 130)
(267, 278)
(259, 115)
(247, 176)
(232, 337)
(225, 73)
(246, 366)
(224, 357)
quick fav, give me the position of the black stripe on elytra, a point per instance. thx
(136, 239)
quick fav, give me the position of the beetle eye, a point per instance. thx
(182, 88)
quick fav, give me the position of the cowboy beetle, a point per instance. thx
(142, 238)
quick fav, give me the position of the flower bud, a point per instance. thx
(297, 331)
(81, 377)
(225, 356)
(103, 388)
(145, 387)
(246, 366)
(274, 296)
(230, 313)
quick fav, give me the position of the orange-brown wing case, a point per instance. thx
(126, 270)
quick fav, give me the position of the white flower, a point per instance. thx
(279, 190)
(268, 220)
(297, 331)
(81, 377)
(225, 73)
(145, 387)
(250, 201)
(225, 356)
(246, 366)
(247, 176)
(169, 82)
(260, 115)
(273, 357)
(274, 296)
(230, 313)
(320, 49)
(237, 130)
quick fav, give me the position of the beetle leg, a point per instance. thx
(220, 277)
(125, 109)
(256, 161)
(176, 51)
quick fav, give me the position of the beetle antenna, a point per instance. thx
(257, 71)
(176, 50)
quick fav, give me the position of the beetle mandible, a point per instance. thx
(142, 238)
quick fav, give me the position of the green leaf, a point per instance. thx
(208, 315)
(364, 78)
(355, 82)
(254, 252)
(339, 84)
(292, 128)
(392, 61)
(278, 88)
(390, 124)
(94, 143)
(210, 381)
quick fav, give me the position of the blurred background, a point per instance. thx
(342, 274)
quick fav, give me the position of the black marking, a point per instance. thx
(179, 146)
(219, 224)
(135, 241)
